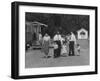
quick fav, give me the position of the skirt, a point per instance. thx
(45, 47)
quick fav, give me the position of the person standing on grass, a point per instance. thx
(78, 49)
(55, 45)
(72, 42)
(64, 49)
(46, 44)
(58, 39)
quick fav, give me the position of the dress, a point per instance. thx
(64, 49)
(45, 47)
(78, 50)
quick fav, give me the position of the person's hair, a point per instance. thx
(78, 44)
(46, 33)
(69, 33)
(64, 42)
(58, 32)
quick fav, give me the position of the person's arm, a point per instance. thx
(43, 41)
(49, 40)
(54, 38)
(69, 38)
(75, 39)
(61, 41)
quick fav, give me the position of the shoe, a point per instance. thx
(48, 56)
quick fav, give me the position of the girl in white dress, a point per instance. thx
(64, 49)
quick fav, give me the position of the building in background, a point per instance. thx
(82, 34)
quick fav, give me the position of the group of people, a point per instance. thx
(62, 45)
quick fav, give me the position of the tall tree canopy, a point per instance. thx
(60, 22)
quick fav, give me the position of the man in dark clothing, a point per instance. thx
(59, 48)
(71, 48)
(72, 42)
(57, 38)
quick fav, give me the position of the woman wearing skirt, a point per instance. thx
(46, 44)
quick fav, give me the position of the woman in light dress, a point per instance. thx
(46, 44)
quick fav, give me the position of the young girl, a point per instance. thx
(78, 50)
(64, 49)
(55, 45)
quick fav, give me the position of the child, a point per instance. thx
(55, 49)
(64, 49)
(78, 50)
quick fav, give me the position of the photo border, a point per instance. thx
(15, 39)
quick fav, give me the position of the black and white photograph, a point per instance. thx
(54, 40)
(50, 40)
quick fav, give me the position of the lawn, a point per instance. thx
(35, 58)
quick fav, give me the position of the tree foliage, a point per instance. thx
(60, 22)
